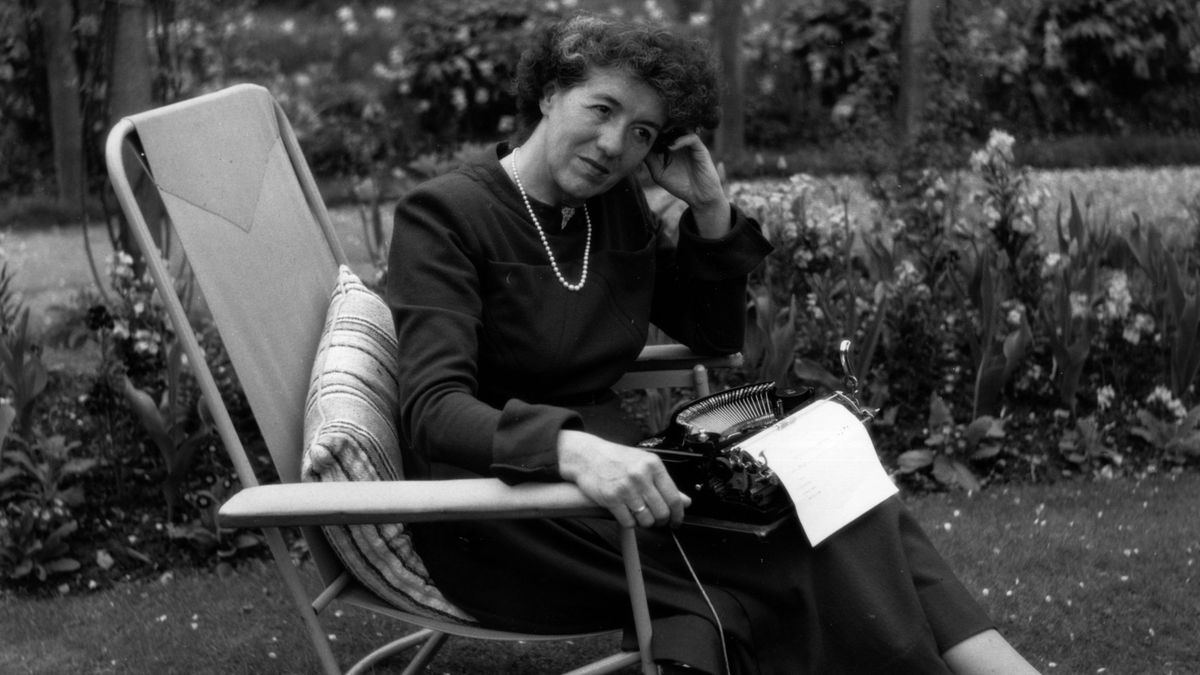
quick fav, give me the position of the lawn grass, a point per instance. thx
(1082, 577)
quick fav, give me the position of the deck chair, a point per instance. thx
(247, 214)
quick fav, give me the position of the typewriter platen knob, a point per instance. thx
(791, 398)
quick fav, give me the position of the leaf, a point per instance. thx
(72, 496)
(62, 565)
(939, 412)
(978, 429)
(808, 370)
(144, 407)
(954, 472)
(22, 569)
(1016, 345)
(988, 385)
(8, 415)
(246, 540)
(943, 471)
(1188, 444)
(77, 466)
(986, 451)
(914, 460)
(9, 474)
(65, 530)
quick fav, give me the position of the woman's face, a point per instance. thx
(593, 135)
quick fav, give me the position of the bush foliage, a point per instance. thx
(372, 86)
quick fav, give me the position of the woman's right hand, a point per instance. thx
(631, 483)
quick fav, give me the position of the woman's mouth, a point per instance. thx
(595, 169)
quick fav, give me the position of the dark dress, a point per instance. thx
(498, 357)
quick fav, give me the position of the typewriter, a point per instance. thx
(700, 447)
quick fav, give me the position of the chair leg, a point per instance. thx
(637, 596)
(425, 654)
(430, 641)
(291, 579)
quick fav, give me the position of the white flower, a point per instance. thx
(1117, 297)
(906, 272)
(1081, 308)
(1015, 315)
(385, 13)
(1000, 146)
(842, 111)
(1052, 264)
(1144, 323)
(654, 11)
(145, 342)
(1164, 396)
(978, 161)
(1105, 396)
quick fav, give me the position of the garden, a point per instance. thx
(1021, 287)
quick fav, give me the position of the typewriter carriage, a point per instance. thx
(700, 446)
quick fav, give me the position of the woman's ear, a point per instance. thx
(546, 101)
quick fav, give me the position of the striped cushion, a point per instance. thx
(350, 434)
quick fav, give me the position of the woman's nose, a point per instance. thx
(611, 140)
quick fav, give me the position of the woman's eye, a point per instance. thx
(644, 135)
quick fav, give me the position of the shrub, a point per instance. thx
(1023, 347)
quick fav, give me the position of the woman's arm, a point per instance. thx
(700, 284)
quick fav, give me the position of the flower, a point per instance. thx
(1164, 398)
(1105, 396)
(1141, 324)
(1081, 307)
(1053, 263)
(1117, 299)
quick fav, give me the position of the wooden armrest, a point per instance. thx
(670, 356)
(348, 503)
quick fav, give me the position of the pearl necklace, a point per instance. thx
(587, 247)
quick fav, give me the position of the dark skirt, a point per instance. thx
(875, 597)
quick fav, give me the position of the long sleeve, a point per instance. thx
(700, 286)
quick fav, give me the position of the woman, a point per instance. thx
(522, 286)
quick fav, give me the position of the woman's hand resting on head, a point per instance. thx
(688, 172)
(631, 483)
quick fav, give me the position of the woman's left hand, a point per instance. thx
(691, 175)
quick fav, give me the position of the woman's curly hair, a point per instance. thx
(680, 69)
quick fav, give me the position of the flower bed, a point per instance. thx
(1007, 325)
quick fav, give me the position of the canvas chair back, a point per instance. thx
(228, 178)
(255, 230)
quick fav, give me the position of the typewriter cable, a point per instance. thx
(707, 600)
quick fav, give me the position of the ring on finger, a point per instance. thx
(638, 509)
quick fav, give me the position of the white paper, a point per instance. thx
(825, 459)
